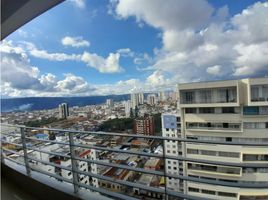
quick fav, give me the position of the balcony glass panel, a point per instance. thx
(214, 126)
(259, 93)
(218, 95)
(217, 169)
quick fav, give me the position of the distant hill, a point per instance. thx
(40, 103)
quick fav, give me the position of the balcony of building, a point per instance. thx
(214, 126)
(89, 170)
(209, 97)
(214, 170)
(255, 111)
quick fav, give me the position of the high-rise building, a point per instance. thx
(152, 99)
(127, 105)
(141, 98)
(109, 103)
(171, 127)
(144, 125)
(162, 96)
(233, 111)
(136, 99)
(63, 111)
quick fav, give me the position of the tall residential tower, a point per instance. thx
(234, 111)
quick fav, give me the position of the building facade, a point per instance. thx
(136, 99)
(152, 99)
(226, 111)
(145, 125)
(63, 111)
(171, 127)
(127, 105)
(109, 103)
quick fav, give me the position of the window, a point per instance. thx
(209, 192)
(206, 110)
(191, 189)
(251, 110)
(255, 125)
(189, 97)
(229, 154)
(228, 110)
(192, 151)
(190, 110)
(208, 153)
(255, 157)
(205, 96)
(263, 110)
(227, 194)
(228, 139)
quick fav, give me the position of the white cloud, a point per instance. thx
(15, 63)
(174, 40)
(197, 39)
(79, 3)
(73, 83)
(75, 41)
(126, 52)
(110, 64)
(251, 59)
(103, 65)
(19, 78)
(143, 58)
(156, 78)
(173, 14)
(22, 33)
(214, 70)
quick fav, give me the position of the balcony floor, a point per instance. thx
(9, 191)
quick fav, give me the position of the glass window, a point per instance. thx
(190, 110)
(191, 189)
(208, 153)
(228, 110)
(229, 154)
(227, 194)
(192, 151)
(251, 110)
(209, 192)
(206, 110)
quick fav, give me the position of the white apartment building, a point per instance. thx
(109, 103)
(226, 111)
(162, 96)
(141, 98)
(152, 99)
(136, 99)
(127, 105)
(63, 110)
(171, 127)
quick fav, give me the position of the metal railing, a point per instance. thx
(23, 152)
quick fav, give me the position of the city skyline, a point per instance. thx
(118, 47)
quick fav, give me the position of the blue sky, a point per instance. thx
(98, 47)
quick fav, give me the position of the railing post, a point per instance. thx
(164, 158)
(2, 156)
(24, 146)
(73, 162)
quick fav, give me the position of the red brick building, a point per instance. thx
(144, 125)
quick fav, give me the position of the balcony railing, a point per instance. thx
(21, 146)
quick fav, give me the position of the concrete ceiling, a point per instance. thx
(16, 13)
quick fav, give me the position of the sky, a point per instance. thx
(101, 47)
